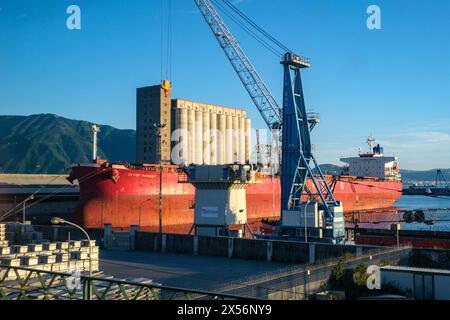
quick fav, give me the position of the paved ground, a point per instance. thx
(185, 271)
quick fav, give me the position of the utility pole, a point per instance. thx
(159, 127)
(305, 222)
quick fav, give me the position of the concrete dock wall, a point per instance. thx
(291, 252)
(61, 233)
(248, 249)
(210, 246)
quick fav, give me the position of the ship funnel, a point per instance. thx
(95, 131)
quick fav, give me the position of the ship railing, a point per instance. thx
(20, 283)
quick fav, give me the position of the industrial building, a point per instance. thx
(153, 107)
(201, 133)
(421, 283)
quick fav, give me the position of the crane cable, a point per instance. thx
(166, 39)
(256, 26)
(169, 41)
(161, 47)
(252, 34)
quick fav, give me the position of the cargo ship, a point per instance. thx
(124, 194)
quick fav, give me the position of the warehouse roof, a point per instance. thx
(34, 179)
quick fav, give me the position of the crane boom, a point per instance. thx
(255, 86)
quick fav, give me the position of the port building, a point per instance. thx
(153, 106)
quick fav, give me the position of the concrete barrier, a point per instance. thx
(213, 246)
(248, 249)
(180, 243)
(290, 251)
(56, 233)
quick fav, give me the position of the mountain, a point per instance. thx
(47, 143)
(330, 169)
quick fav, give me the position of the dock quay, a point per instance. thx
(196, 266)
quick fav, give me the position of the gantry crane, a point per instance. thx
(297, 160)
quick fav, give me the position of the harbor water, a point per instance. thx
(435, 208)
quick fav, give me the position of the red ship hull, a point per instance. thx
(124, 196)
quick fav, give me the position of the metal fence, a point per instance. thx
(298, 282)
(17, 283)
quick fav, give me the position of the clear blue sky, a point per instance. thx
(394, 82)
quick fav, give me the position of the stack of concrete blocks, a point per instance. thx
(22, 233)
(70, 256)
(3, 241)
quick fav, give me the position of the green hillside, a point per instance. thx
(47, 143)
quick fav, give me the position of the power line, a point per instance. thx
(169, 41)
(161, 39)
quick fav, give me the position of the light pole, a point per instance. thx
(56, 220)
(306, 229)
(159, 127)
(398, 232)
(24, 206)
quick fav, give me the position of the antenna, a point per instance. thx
(95, 131)
(370, 141)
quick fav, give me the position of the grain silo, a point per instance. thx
(182, 120)
(211, 134)
(191, 133)
(241, 133)
(221, 132)
(198, 136)
(229, 139)
(248, 135)
(235, 139)
(206, 135)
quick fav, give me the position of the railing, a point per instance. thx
(18, 283)
(285, 280)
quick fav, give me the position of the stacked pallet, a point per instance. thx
(22, 233)
(3, 241)
(63, 256)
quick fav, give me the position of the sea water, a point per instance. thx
(436, 208)
(440, 216)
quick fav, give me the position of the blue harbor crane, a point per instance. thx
(293, 121)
